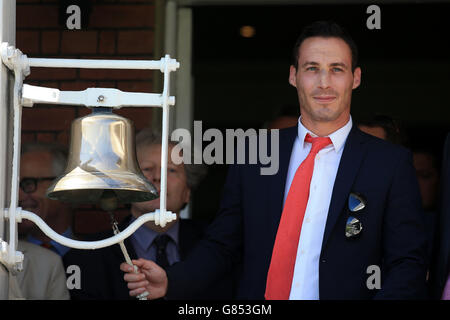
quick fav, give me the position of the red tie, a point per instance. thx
(281, 270)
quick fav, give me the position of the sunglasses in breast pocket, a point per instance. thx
(356, 205)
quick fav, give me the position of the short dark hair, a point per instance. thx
(392, 127)
(325, 29)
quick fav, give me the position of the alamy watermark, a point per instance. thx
(73, 277)
(374, 20)
(374, 280)
(235, 147)
(74, 20)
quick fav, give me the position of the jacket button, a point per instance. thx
(323, 260)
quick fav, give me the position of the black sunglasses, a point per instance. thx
(356, 204)
(29, 185)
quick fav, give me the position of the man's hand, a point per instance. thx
(150, 277)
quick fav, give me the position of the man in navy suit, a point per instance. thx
(377, 251)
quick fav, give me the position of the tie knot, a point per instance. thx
(318, 143)
(161, 241)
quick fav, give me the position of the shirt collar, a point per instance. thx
(338, 137)
(145, 236)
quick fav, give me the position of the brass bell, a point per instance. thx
(102, 166)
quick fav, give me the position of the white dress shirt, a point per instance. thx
(305, 282)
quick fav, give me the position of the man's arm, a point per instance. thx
(213, 256)
(404, 236)
(219, 250)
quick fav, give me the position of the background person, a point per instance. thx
(285, 117)
(384, 127)
(43, 276)
(40, 165)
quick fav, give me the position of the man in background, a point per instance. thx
(40, 165)
(384, 127)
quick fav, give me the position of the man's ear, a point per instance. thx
(293, 76)
(356, 78)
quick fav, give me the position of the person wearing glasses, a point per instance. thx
(40, 164)
(341, 219)
(43, 276)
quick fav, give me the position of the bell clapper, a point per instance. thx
(109, 201)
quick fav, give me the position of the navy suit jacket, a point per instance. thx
(245, 228)
(441, 266)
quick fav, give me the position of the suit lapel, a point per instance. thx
(349, 165)
(278, 181)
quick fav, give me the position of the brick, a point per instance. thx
(46, 137)
(47, 119)
(76, 85)
(63, 138)
(95, 220)
(27, 137)
(107, 42)
(52, 74)
(79, 42)
(135, 42)
(28, 41)
(122, 16)
(50, 41)
(37, 16)
(141, 117)
(32, 82)
(135, 86)
(109, 74)
(83, 111)
(90, 221)
(49, 84)
(106, 84)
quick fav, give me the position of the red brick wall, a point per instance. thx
(120, 29)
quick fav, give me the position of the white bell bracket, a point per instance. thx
(26, 95)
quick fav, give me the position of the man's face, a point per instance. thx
(324, 80)
(178, 193)
(38, 164)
